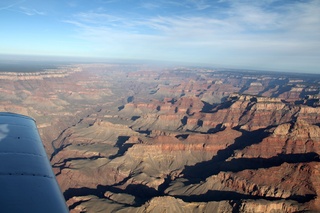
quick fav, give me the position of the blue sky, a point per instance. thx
(255, 34)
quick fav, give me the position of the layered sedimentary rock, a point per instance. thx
(127, 138)
(244, 111)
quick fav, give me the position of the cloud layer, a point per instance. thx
(224, 32)
(264, 34)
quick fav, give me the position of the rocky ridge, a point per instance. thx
(122, 138)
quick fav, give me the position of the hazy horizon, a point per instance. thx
(32, 63)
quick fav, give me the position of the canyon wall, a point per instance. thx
(124, 137)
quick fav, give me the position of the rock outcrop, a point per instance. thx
(126, 138)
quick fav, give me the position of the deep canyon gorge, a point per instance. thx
(138, 138)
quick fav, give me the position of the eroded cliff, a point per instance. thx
(125, 139)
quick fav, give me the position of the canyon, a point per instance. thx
(142, 138)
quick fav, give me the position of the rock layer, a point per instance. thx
(123, 138)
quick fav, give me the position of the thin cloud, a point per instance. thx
(8, 6)
(241, 33)
(244, 20)
(14, 7)
(31, 11)
(72, 4)
(108, 1)
(97, 18)
(150, 6)
(199, 4)
(191, 4)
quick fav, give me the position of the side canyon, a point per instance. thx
(132, 137)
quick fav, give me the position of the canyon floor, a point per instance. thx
(138, 138)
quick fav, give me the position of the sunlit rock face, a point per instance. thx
(121, 138)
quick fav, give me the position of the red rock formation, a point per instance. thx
(287, 138)
(175, 146)
(196, 142)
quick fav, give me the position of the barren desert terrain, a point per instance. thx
(137, 138)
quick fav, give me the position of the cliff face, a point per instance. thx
(191, 152)
(226, 165)
(238, 111)
(121, 138)
(288, 138)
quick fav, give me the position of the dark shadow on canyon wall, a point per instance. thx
(215, 195)
(218, 163)
(142, 193)
(122, 146)
(63, 164)
(203, 170)
(246, 139)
